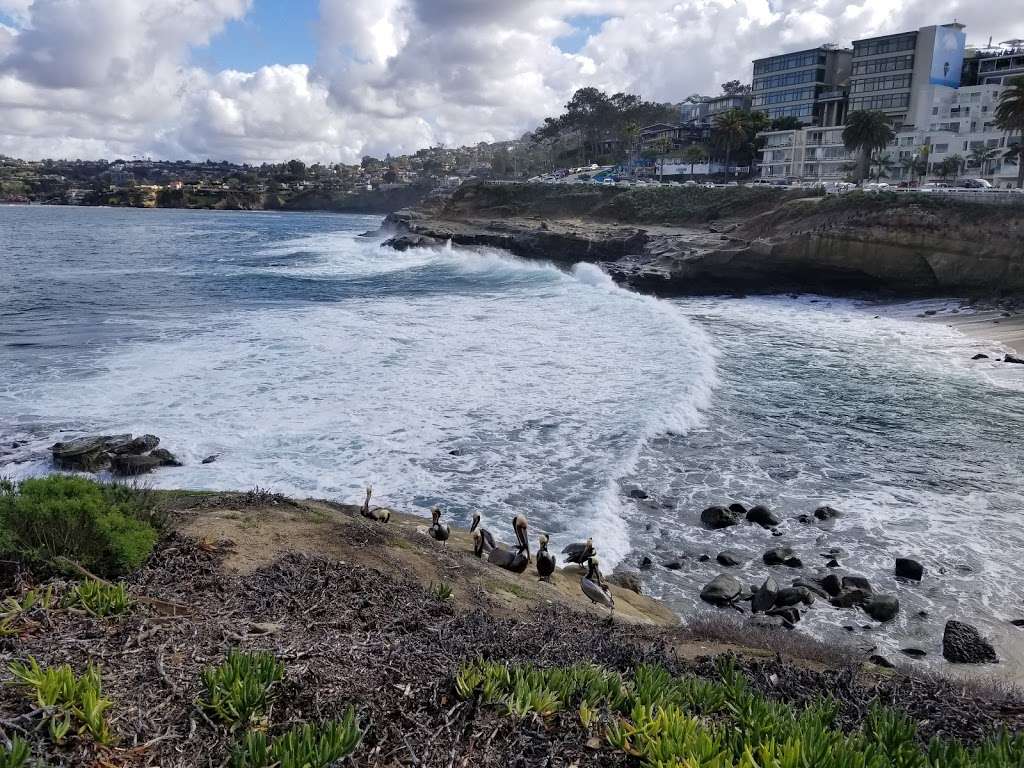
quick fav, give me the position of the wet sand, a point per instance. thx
(991, 325)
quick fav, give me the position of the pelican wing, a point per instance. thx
(501, 557)
(597, 593)
(489, 542)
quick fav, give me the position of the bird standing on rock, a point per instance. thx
(438, 530)
(486, 536)
(380, 514)
(545, 560)
(580, 552)
(594, 588)
(518, 560)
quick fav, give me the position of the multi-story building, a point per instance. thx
(897, 74)
(803, 84)
(998, 66)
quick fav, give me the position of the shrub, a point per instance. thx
(442, 591)
(100, 599)
(240, 689)
(68, 698)
(305, 746)
(15, 756)
(45, 518)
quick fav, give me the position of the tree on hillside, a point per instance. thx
(1009, 116)
(735, 88)
(866, 132)
(981, 157)
(730, 131)
(694, 154)
(296, 169)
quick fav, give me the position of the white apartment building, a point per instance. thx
(960, 121)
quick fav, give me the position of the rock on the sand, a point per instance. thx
(980, 356)
(907, 568)
(763, 516)
(719, 517)
(964, 644)
(764, 597)
(882, 607)
(627, 580)
(721, 591)
(1013, 359)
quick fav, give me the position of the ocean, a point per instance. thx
(315, 362)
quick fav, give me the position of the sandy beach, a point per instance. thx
(991, 325)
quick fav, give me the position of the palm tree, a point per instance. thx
(695, 153)
(957, 163)
(1009, 116)
(731, 130)
(866, 131)
(883, 163)
(1015, 156)
(982, 156)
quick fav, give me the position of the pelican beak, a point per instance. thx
(476, 522)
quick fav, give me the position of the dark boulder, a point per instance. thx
(813, 587)
(738, 508)
(719, 517)
(139, 445)
(210, 459)
(805, 518)
(882, 607)
(673, 565)
(730, 557)
(914, 653)
(646, 562)
(763, 516)
(627, 580)
(832, 564)
(793, 596)
(857, 582)
(83, 454)
(130, 464)
(1017, 622)
(832, 584)
(777, 556)
(849, 598)
(834, 553)
(637, 493)
(909, 569)
(826, 512)
(764, 597)
(167, 459)
(980, 356)
(881, 661)
(788, 614)
(721, 591)
(964, 644)
(1013, 359)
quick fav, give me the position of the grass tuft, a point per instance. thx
(67, 698)
(305, 746)
(99, 599)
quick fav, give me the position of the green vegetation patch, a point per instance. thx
(100, 599)
(17, 755)
(102, 527)
(69, 700)
(665, 721)
(305, 746)
(240, 690)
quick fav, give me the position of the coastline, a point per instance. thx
(990, 325)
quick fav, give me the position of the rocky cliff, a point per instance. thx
(676, 241)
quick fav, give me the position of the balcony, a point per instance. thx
(831, 95)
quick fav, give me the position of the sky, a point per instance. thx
(333, 80)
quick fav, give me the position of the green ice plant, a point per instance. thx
(100, 599)
(305, 746)
(16, 755)
(241, 689)
(668, 721)
(67, 698)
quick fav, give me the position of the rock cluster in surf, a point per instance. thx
(123, 455)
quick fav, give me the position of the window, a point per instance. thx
(880, 84)
(941, 148)
(780, 97)
(935, 110)
(790, 61)
(793, 78)
(885, 45)
(893, 101)
(893, 64)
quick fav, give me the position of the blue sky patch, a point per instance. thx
(584, 27)
(273, 32)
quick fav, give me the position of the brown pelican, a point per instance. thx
(545, 560)
(438, 530)
(593, 587)
(380, 514)
(580, 552)
(515, 561)
(486, 535)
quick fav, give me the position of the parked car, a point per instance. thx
(975, 184)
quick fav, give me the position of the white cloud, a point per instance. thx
(115, 77)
